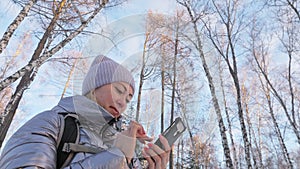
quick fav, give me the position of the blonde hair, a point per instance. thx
(91, 95)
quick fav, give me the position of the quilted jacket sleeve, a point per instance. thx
(108, 159)
(34, 146)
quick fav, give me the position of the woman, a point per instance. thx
(106, 90)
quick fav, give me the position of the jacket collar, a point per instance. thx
(90, 114)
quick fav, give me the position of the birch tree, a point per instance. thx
(259, 52)
(15, 24)
(287, 22)
(63, 21)
(194, 18)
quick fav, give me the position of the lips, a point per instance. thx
(114, 111)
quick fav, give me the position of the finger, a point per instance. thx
(154, 155)
(134, 128)
(143, 139)
(141, 130)
(156, 148)
(138, 131)
(138, 128)
(163, 155)
(151, 164)
(165, 143)
(134, 125)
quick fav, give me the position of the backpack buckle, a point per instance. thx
(66, 148)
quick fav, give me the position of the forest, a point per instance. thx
(228, 68)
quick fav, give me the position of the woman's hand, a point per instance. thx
(126, 140)
(157, 158)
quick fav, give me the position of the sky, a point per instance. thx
(131, 12)
(127, 19)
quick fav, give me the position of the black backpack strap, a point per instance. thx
(69, 133)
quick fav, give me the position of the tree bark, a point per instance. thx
(235, 159)
(173, 88)
(28, 72)
(14, 25)
(162, 91)
(211, 87)
(142, 78)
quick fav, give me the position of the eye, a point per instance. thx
(119, 91)
(127, 100)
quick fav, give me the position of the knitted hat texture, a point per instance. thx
(104, 70)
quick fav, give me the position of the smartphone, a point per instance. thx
(172, 132)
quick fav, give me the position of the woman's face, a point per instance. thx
(114, 97)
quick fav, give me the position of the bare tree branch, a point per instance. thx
(14, 25)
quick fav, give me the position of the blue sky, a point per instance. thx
(48, 94)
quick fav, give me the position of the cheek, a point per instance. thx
(99, 100)
(124, 108)
(114, 95)
(104, 98)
